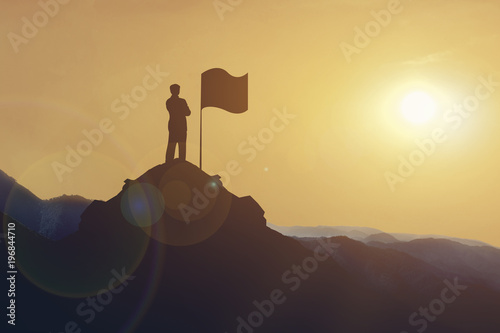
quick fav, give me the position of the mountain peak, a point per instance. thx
(175, 203)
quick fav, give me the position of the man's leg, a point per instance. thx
(170, 151)
(182, 151)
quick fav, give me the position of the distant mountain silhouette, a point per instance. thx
(54, 218)
(381, 237)
(362, 234)
(218, 272)
(357, 233)
(412, 280)
(477, 263)
(409, 237)
(19, 203)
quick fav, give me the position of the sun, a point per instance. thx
(418, 107)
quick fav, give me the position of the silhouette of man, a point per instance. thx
(177, 125)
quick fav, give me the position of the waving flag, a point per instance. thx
(221, 90)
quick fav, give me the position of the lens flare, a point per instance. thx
(142, 204)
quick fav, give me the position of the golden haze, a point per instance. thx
(327, 166)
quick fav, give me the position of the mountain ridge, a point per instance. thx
(53, 218)
(224, 271)
(361, 233)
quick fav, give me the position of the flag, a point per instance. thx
(221, 90)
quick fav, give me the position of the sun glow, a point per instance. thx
(418, 107)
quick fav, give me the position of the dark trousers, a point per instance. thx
(174, 140)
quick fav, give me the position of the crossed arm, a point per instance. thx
(186, 109)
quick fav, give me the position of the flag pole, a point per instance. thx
(201, 135)
(201, 120)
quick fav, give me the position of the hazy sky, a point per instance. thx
(338, 73)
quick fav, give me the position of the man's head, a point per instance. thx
(175, 89)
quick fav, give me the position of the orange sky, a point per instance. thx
(328, 165)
